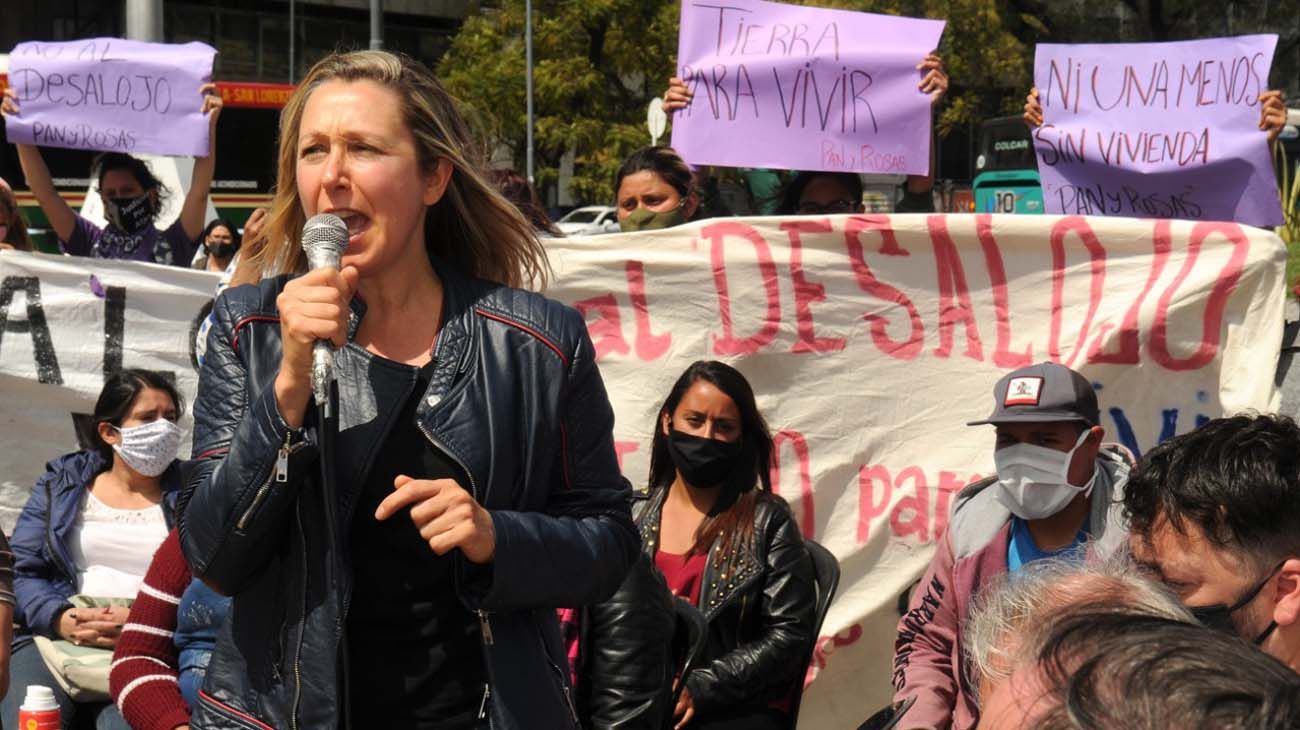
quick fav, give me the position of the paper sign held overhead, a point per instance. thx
(1157, 130)
(111, 95)
(802, 88)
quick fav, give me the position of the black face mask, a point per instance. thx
(221, 250)
(130, 214)
(1218, 616)
(702, 462)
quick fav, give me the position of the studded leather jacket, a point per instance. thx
(515, 399)
(759, 600)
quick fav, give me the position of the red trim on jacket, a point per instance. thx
(227, 708)
(521, 326)
(234, 340)
(564, 436)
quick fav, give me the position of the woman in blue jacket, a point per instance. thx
(90, 527)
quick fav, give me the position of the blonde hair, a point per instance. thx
(472, 228)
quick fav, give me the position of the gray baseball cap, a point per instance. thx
(1043, 393)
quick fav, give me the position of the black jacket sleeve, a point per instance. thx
(577, 551)
(761, 669)
(237, 498)
(627, 667)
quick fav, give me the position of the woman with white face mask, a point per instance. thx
(90, 528)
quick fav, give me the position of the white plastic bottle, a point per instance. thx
(39, 711)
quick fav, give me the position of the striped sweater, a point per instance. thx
(143, 678)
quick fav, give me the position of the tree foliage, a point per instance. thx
(597, 65)
(599, 62)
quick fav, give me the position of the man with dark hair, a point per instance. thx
(1111, 670)
(1056, 488)
(1215, 514)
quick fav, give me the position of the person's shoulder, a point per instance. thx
(72, 470)
(772, 510)
(238, 303)
(977, 517)
(558, 325)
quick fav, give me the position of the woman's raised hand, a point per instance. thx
(1033, 114)
(678, 95)
(312, 307)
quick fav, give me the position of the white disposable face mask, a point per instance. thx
(1033, 481)
(150, 447)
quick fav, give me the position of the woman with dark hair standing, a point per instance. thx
(90, 528)
(654, 189)
(729, 546)
(476, 486)
(220, 241)
(132, 198)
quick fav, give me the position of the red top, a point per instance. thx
(683, 575)
(142, 679)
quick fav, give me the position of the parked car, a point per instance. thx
(589, 221)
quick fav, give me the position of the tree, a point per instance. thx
(597, 65)
(599, 62)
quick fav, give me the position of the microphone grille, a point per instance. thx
(325, 232)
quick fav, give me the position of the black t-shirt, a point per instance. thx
(414, 649)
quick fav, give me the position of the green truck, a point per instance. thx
(1006, 170)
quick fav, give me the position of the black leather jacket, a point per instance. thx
(759, 601)
(625, 663)
(515, 399)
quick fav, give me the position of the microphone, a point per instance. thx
(324, 237)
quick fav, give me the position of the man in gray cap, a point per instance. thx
(1057, 488)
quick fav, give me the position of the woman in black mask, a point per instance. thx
(220, 242)
(729, 546)
(132, 198)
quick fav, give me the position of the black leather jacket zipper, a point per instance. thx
(279, 474)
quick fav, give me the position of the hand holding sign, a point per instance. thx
(1272, 113)
(794, 87)
(212, 106)
(111, 94)
(935, 81)
(1158, 130)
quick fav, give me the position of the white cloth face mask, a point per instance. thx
(1033, 481)
(150, 447)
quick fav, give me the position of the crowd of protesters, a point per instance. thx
(482, 562)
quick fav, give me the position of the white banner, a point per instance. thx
(64, 322)
(870, 341)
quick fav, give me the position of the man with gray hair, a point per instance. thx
(1010, 612)
(1090, 669)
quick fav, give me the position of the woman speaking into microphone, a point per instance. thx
(476, 486)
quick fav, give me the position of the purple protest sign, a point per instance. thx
(1157, 130)
(787, 86)
(111, 94)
